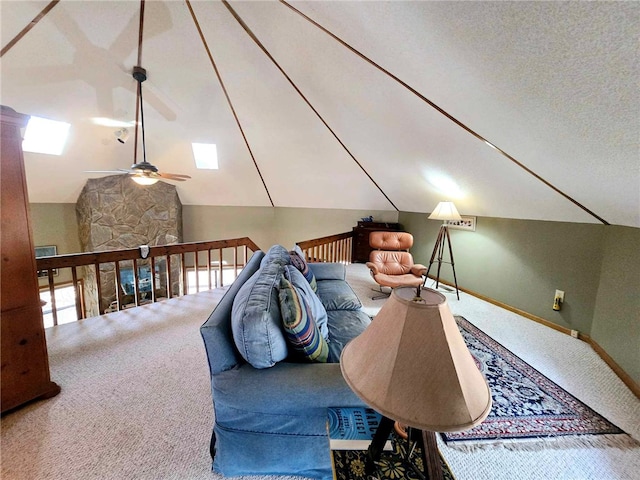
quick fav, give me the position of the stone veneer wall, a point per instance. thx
(116, 213)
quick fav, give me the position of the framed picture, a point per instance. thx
(46, 251)
(466, 223)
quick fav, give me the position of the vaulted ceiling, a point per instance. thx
(525, 110)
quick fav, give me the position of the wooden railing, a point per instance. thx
(167, 265)
(334, 248)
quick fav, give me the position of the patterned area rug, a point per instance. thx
(349, 464)
(529, 411)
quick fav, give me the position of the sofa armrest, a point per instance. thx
(285, 388)
(418, 269)
(328, 271)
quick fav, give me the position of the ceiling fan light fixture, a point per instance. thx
(144, 180)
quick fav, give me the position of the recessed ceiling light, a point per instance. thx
(205, 155)
(45, 136)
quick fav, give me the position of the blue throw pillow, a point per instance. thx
(298, 261)
(300, 327)
(255, 319)
(276, 254)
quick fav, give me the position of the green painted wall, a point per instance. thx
(616, 321)
(522, 262)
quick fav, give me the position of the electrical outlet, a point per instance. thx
(574, 333)
(560, 295)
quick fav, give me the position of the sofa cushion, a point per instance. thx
(256, 321)
(328, 271)
(298, 260)
(276, 254)
(299, 325)
(318, 311)
(344, 325)
(338, 295)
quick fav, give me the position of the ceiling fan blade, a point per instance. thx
(174, 176)
(121, 172)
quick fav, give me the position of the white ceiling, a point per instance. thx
(553, 84)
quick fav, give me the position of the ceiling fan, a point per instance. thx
(143, 172)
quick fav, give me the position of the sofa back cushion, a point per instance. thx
(256, 319)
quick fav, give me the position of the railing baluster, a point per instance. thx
(209, 268)
(76, 291)
(235, 262)
(195, 264)
(169, 286)
(185, 283)
(136, 286)
(220, 266)
(118, 284)
(96, 267)
(52, 294)
(153, 280)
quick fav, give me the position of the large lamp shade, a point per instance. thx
(413, 366)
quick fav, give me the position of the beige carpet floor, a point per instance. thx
(136, 403)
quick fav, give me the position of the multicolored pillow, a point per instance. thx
(298, 261)
(301, 331)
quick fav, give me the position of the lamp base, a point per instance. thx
(422, 438)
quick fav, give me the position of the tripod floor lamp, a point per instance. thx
(444, 211)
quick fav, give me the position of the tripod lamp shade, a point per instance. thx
(445, 211)
(412, 365)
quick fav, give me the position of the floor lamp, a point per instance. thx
(444, 211)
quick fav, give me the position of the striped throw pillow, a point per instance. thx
(298, 261)
(301, 331)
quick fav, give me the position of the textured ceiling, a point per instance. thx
(552, 84)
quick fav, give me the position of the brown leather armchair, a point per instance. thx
(391, 265)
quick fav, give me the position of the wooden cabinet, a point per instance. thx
(361, 248)
(25, 364)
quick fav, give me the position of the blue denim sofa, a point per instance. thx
(272, 419)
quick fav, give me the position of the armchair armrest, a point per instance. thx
(373, 267)
(418, 269)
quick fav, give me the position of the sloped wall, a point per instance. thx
(116, 213)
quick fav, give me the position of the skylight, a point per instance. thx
(205, 155)
(45, 136)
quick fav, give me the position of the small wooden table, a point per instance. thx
(424, 439)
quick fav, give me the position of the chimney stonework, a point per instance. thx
(115, 213)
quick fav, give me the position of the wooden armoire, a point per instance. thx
(25, 364)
